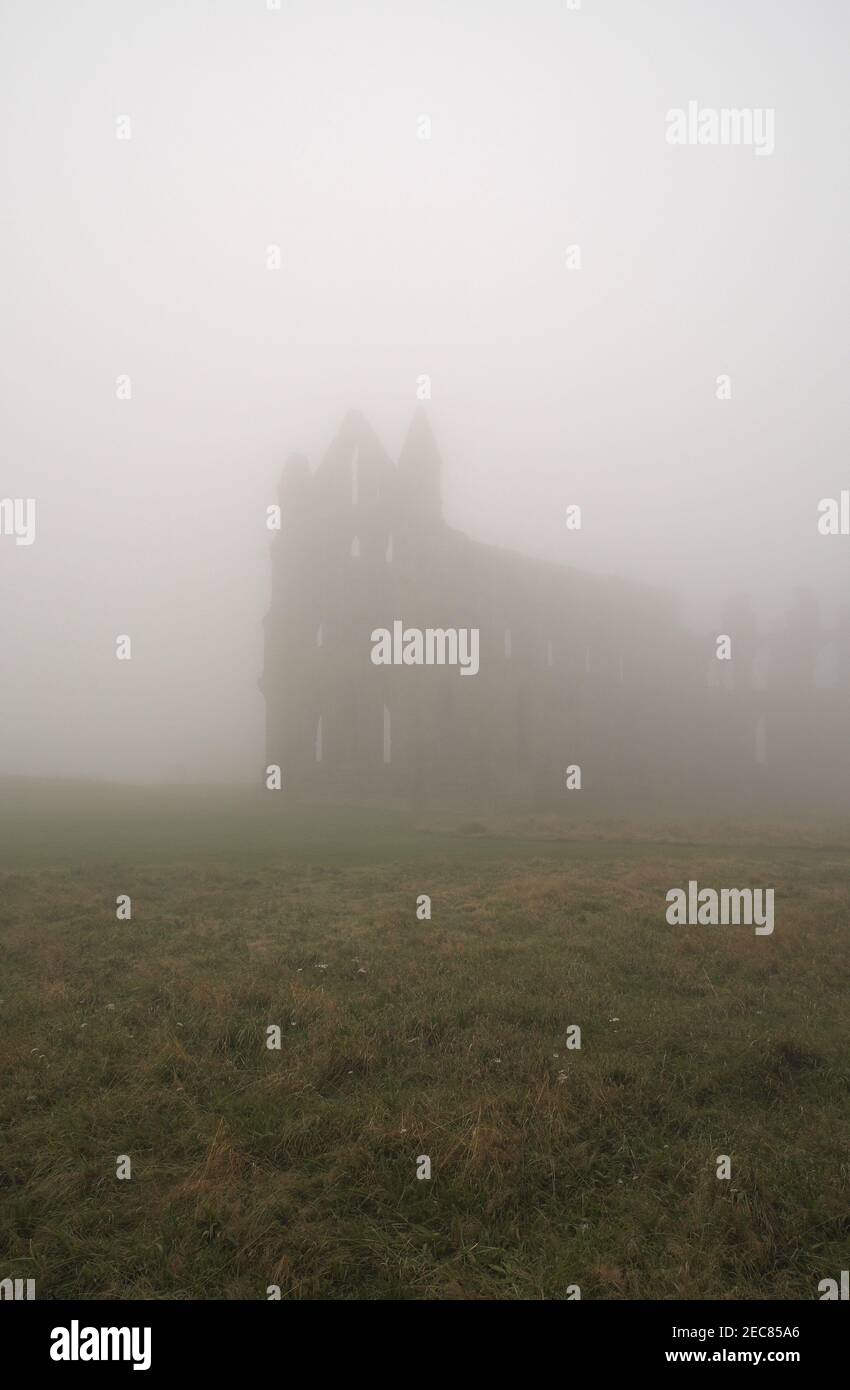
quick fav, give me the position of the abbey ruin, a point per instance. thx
(589, 691)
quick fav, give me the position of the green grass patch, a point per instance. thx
(447, 1038)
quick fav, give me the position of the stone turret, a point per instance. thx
(419, 473)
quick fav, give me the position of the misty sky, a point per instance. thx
(400, 257)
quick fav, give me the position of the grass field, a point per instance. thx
(550, 1167)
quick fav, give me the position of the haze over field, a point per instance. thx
(425, 662)
(400, 257)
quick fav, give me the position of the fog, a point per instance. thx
(400, 258)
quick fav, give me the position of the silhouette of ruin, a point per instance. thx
(576, 669)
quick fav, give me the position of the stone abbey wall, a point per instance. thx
(574, 669)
